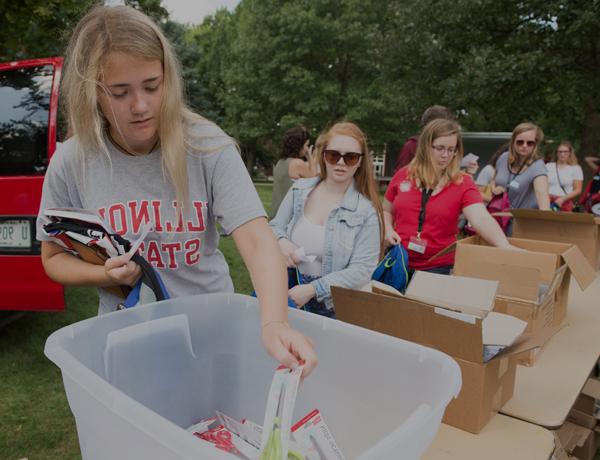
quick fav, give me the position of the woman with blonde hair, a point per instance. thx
(424, 201)
(521, 172)
(138, 156)
(565, 177)
(330, 226)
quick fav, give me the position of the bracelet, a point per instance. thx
(274, 321)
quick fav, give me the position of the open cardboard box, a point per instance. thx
(580, 229)
(577, 441)
(432, 313)
(534, 284)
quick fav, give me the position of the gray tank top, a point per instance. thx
(281, 184)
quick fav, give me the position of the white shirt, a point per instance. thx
(567, 174)
(311, 237)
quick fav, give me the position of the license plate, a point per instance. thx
(15, 234)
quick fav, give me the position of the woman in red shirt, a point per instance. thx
(425, 199)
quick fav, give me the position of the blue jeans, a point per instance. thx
(313, 305)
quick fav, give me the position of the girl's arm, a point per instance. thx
(540, 186)
(258, 247)
(391, 237)
(299, 168)
(65, 268)
(577, 186)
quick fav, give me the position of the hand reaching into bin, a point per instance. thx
(289, 346)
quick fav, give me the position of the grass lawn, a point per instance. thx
(35, 419)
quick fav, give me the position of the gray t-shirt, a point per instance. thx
(485, 176)
(130, 190)
(520, 186)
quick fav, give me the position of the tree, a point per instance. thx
(498, 63)
(308, 62)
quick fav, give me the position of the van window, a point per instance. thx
(24, 114)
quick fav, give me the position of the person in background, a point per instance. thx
(139, 156)
(424, 200)
(522, 172)
(335, 217)
(297, 161)
(409, 149)
(486, 175)
(593, 162)
(565, 177)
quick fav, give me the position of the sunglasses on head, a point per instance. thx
(521, 142)
(333, 157)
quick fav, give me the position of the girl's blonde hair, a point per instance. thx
(106, 29)
(422, 169)
(364, 177)
(572, 160)
(535, 153)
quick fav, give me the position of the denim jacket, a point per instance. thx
(352, 237)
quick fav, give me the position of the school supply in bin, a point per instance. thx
(393, 268)
(84, 234)
(308, 439)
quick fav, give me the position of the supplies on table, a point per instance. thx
(533, 284)
(453, 314)
(86, 235)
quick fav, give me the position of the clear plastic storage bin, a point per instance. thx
(136, 378)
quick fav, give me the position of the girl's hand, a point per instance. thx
(391, 237)
(121, 271)
(498, 190)
(288, 248)
(302, 294)
(289, 346)
(559, 201)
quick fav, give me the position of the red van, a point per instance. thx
(28, 128)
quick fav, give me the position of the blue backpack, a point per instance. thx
(393, 269)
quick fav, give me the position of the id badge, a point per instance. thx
(417, 244)
(405, 186)
(514, 184)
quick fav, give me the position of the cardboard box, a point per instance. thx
(586, 402)
(577, 441)
(521, 273)
(486, 385)
(580, 229)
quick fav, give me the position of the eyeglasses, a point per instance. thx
(521, 143)
(563, 151)
(333, 157)
(441, 149)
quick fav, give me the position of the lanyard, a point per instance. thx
(425, 195)
(510, 173)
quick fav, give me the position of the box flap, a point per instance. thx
(448, 249)
(411, 320)
(572, 436)
(576, 217)
(592, 388)
(530, 341)
(458, 293)
(381, 288)
(514, 281)
(500, 329)
(581, 269)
